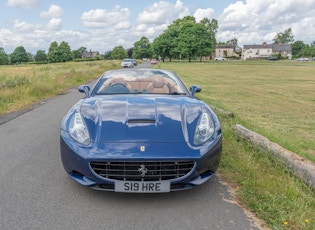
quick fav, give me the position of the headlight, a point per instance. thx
(204, 129)
(78, 130)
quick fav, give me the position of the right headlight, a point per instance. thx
(78, 130)
(204, 129)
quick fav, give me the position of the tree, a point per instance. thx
(308, 51)
(204, 45)
(232, 42)
(65, 52)
(4, 58)
(285, 37)
(19, 55)
(61, 53)
(30, 56)
(53, 53)
(79, 52)
(212, 29)
(40, 56)
(129, 52)
(297, 48)
(165, 45)
(195, 39)
(186, 38)
(142, 49)
(119, 53)
(108, 55)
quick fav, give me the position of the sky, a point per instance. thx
(101, 25)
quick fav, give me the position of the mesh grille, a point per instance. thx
(142, 171)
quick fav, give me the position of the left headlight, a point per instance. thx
(78, 130)
(204, 129)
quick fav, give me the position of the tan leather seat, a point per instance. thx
(158, 85)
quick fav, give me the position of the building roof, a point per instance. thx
(274, 47)
(280, 47)
(264, 46)
(225, 46)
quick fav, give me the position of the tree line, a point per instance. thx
(183, 39)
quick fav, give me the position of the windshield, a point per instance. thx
(127, 60)
(139, 82)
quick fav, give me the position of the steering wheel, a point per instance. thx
(118, 84)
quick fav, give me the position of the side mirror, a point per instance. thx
(194, 89)
(85, 89)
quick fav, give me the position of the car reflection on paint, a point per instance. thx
(140, 131)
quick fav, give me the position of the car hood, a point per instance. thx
(130, 119)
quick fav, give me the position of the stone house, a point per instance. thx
(90, 54)
(265, 51)
(225, 51)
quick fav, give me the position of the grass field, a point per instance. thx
(23, 85)
(275, 99)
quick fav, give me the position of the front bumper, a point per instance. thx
(126, 66)
(76, 161)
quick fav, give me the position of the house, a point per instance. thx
(90, 54)
(265, 51)
(225, 51)
(284, 50)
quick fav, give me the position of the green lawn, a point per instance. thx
(275, 99)
(23, 85)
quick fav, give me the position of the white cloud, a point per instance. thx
(102, 18)
(22, 3)
(54, 11)
(123, 25)
(155, 18)
(54, 24)
(256, 21)
(162, 12)
(24, 27)
(203, 13)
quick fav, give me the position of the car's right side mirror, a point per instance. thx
(85, 89)
(194, 89)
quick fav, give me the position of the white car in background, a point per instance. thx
(219, 59)
(127, 63)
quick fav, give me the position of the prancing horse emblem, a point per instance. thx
(142, 170)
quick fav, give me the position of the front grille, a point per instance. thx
(142, 171)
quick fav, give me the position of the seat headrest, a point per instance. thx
(158, 82)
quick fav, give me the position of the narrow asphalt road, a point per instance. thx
(36, 193)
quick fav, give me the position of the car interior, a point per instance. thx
(156, 84)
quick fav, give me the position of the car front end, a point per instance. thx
(127, 63)
(140, 142)
(139, 167)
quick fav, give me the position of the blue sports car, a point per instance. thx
(140, 131)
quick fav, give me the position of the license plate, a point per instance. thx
(142, 186)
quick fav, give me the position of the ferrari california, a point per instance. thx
(140, 131)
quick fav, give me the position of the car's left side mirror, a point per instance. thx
(194, 89)
(85, 89)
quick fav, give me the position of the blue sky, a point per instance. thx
(100, 25)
